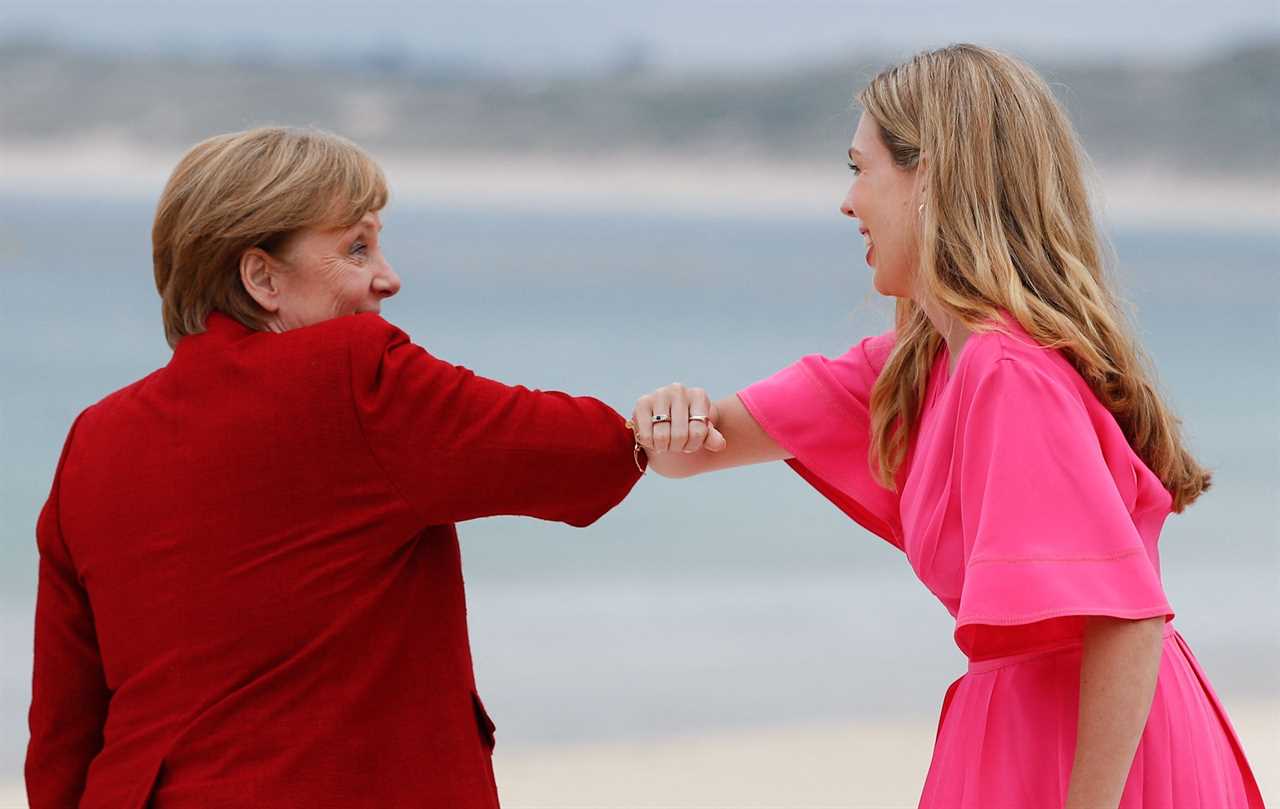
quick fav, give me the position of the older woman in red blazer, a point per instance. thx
(250, 592)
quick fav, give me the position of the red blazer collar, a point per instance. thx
(224, 326)
(220, 330)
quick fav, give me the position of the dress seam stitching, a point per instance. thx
(1032, 559)
(1031, 617)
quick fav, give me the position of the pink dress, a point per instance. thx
(1022, 508)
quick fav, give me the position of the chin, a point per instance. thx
(887, 284)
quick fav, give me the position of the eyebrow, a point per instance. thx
(854, 153)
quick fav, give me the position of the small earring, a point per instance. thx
(921, 208)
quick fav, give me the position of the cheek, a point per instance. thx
(352, 285)
(334, 275)
(308, 285)
(896, 227)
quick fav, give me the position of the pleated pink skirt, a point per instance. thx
(1006, 739)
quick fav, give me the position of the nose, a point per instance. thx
(387, 283)
(846, 205)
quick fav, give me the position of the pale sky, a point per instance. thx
(675, 34)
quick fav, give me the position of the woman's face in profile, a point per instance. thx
(323, 273)
(883, 198)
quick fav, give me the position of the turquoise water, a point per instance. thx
(738, 599)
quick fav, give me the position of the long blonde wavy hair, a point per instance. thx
(1007, 225)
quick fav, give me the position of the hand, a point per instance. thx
(680, 433)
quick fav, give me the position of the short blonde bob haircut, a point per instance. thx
(249, 189)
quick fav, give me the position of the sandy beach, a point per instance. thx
(870, 765)
(103, 165)
(864, 765)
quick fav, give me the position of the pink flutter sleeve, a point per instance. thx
(819, 410)
(1047, 533)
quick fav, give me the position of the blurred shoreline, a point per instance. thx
(854, 765)
(102, 166)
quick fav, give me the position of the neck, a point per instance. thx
(951, 329)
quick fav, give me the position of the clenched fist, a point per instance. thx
(677, 419)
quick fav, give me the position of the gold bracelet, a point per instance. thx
(635, 450)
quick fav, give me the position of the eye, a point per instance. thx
(359, 249)
(854, 168)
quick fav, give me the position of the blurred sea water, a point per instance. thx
(735, 600)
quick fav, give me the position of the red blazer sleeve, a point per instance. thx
(457, 446)
(69, 693)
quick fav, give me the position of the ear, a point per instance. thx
(922, 172)
(258, 280)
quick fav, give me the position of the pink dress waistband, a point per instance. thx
(993, 663)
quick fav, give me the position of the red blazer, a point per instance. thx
(250, 588)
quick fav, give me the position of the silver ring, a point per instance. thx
(658, 418)
(702, 419)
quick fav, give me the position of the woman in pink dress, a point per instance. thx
(1009, 438)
